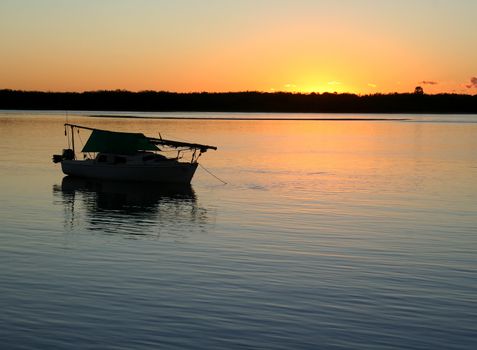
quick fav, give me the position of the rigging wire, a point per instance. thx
(225, 183)
(82, 143)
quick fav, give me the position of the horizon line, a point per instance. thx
(233, 92)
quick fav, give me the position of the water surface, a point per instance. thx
(329, 234)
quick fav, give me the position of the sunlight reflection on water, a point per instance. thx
(329, 235)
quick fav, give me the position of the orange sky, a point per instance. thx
(362, 46)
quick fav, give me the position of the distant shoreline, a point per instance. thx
(239, 102)
(245, 119)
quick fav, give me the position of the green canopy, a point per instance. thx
(118, 142)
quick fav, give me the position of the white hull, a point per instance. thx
(168, 171)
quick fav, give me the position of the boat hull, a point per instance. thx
(167, 172)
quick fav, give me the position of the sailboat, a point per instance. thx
(126, 156)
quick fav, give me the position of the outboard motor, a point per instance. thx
(68, 154)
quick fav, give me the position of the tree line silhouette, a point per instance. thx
(248, 101)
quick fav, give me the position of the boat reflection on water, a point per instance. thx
(117, 207)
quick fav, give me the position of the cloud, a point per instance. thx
(372, 85)
(334, 83)
(473, 83)
(428, 82)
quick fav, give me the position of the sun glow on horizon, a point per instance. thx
(331, 86)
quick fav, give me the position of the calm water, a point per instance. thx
(328, 235)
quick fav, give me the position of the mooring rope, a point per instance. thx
(225, 183)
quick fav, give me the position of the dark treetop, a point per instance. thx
(250, 101)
